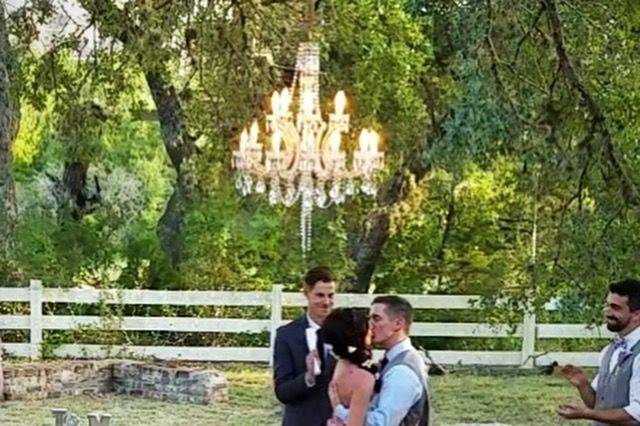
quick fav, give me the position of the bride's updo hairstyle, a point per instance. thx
(345, 329)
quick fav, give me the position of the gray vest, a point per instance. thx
(612, 389)
(415, 361)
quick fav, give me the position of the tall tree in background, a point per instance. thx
(527, 86)
(179, 144)
(175, 47)
(9, 122)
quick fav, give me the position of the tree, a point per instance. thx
(9, 122)
(516, 81)
(150, 40)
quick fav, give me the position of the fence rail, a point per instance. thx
(529, 331)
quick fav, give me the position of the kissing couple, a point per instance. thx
(324, 372)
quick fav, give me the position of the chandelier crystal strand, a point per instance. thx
(304, 160)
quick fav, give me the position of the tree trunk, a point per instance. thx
(367, 247)
(447, 226)
(73, 194)
(74, 180)
(9, 121)
(179, 146)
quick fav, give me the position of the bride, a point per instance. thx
(346, 331)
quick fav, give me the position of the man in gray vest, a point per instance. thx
(613, 396)
(402, 396)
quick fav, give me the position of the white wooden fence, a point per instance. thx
(36, 322)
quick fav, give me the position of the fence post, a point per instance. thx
(36, 318)
(276, 316)
(528, 339)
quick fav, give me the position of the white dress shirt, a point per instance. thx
(312, 323)
(314, 326)
(633, 409)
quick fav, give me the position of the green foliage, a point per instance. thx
(379, 53)
(520, 200)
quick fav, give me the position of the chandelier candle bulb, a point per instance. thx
(253, 134)
(275, 103)
(340, 101)
(244, 139)
(373, 142)
(364, 140)
(285, 99)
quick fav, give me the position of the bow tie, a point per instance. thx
(619, 343)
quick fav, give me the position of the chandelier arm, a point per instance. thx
(290, 135)
(289, 170)
(321, 133)
(322, 173)
(294, 199)
(326, 205)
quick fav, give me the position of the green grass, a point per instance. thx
(459, 398)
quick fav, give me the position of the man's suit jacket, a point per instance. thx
(303, 405)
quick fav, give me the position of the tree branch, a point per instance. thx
(598, 120)
(526, 35)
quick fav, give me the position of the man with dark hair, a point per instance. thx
(613, 396)
(301, 374)
(401, 392)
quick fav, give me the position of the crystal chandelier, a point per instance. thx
(305, 159)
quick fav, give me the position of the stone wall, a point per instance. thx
(179, 384)
(53, 380)
(200, 385)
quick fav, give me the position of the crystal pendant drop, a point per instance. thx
(350, 188)
(321, 197)
(248, 183)
(274, 196)
(290, 196)
(334, 193)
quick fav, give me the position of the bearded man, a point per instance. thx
(613, 396)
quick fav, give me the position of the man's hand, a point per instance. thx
(310, 360)
(573, 411)
(333, 395)
(574, 375)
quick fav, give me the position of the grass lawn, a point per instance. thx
(459, 398)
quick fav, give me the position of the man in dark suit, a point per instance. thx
(302, 374)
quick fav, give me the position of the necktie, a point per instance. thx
(378, 385)
(619, 342)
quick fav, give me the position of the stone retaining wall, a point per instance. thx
(53, 380)
(200, 385)
(181, 384)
